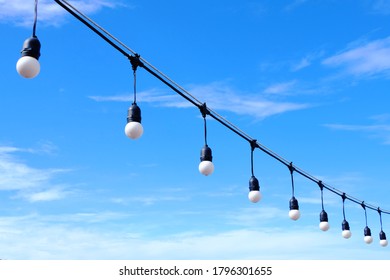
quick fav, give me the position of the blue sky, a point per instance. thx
(307, 79)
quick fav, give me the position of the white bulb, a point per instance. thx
(28, 67)
(134, 130)
(206, 167)
(368, 239)
(346, 234)
(324, 226)
(383, 242)
(294, 214)
(254, 196)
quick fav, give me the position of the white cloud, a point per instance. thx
(280, 88)
(31, 183)
(367, 59)
(218, 96)
(21, 12)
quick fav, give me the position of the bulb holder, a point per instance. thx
(294, 204)
(206, 154)
(324, 216)
(367, 231)
(382, 235)
(31, 47)
(345, 225)
(254, 184)
(134, 113)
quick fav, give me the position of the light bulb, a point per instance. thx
(134, 130)
(206, 166)
(254, 190)
(346, 233)
(383, 241)
(294, 213)
(368, 239)
(28, 67)
(367, 235)
(324, 224)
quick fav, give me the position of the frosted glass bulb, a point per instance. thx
(206, 167)
(383, 242)
(294, 214)
(254, 196)
(134, 130)
(346, 234)
(368, 239)
(28, 67)
(324, 226)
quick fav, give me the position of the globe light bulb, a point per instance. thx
(383, 241)
(324, 224)
(28, 65)
(346, 233)
(367, 235)
(368, 239)
(134, 130)
(294, 213)
(206, 166)
(254, 190)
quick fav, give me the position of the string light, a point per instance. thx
(28, 65)
(134, 128)
(254, 186)
(294, 213)
(346, 232)
(324, 221)
(32, 49)
(367, 231)
(206, 166)
(382, 235)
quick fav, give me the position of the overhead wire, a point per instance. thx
(135, 58)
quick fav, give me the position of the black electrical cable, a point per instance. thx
(114, 42)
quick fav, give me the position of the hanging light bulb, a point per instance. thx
(382, 235)
(294, 213)
(382, 239)
(28, 65)
(367, 235)
(346, 232)
(133, 128)
(206, 166)
(254, 190)
(324, 222)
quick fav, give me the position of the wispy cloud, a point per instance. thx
(378, 129)
(280, 88)
(21, 12)
(218, 96)
(368, 59)
(381, 7)
(31, 183)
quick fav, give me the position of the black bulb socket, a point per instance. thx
(134, 113)
(31, 47)
(254, 184)
(367, 231)
(324, 216)
(206, 154)
(345, 225)
(382, 235)
(294, 204)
